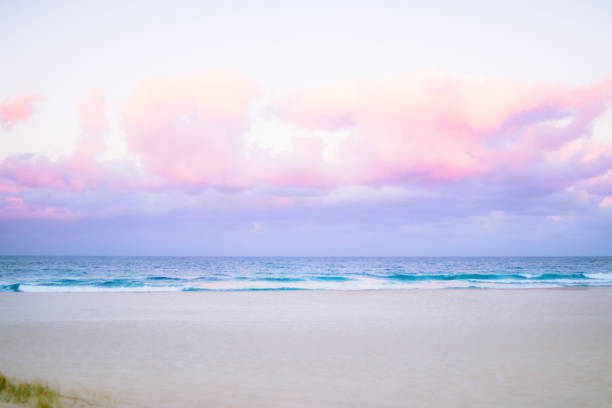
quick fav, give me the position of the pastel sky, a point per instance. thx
(306, 128)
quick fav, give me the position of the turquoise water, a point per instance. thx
(85, 274)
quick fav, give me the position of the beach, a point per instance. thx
(393, 348)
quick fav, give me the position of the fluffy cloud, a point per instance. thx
(189, 131)
(418, 142)
(422, 130)
(77, 171)
(433, 128)
(17, 110)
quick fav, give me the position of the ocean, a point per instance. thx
(148, 274)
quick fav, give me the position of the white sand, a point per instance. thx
(424, 348)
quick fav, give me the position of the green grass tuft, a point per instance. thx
(33, 394)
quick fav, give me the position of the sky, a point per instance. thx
(320, 128)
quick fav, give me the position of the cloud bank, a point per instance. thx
(433, 143)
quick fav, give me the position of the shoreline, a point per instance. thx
(302, 290)
(372, 348)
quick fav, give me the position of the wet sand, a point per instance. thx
(425, 348)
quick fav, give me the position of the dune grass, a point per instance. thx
(33, 394)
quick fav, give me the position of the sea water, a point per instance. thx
(82, 274)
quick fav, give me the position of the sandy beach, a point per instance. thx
(425, 348)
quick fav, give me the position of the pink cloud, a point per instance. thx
(15, 207)
(75, 172)
(17, 110)
(188, 131)
(424, 131)
(435, 128)
(606, 202)
(94, 125)
(33, 172)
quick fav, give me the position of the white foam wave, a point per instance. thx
(63, 289)
(363, 283)
(600, 276)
